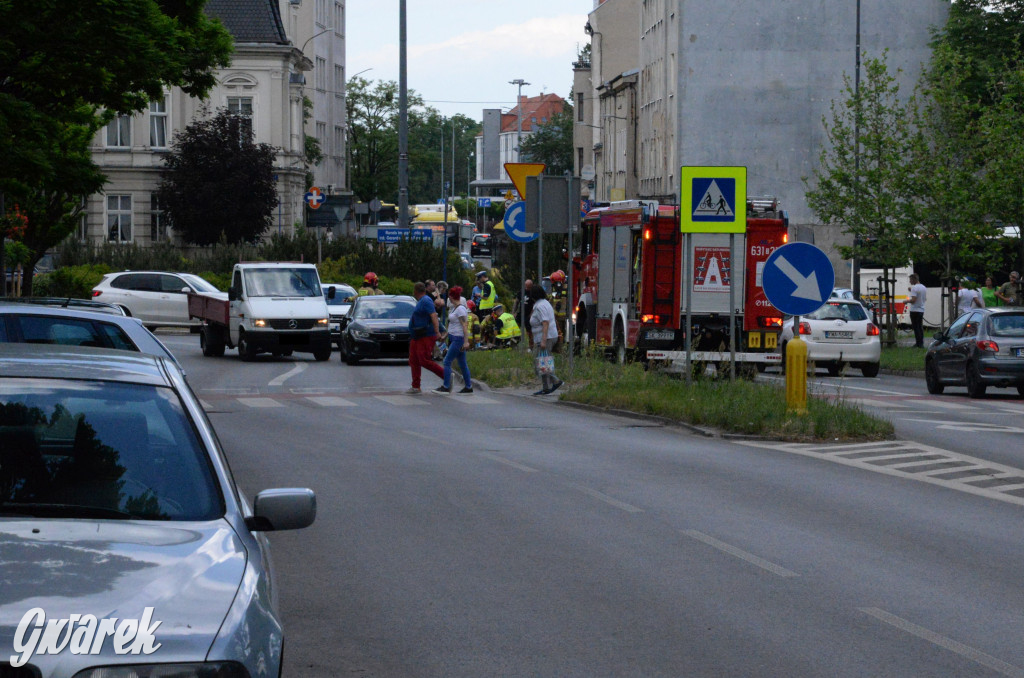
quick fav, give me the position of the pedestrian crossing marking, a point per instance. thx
(402, 400)
(476, 400)
(714, 202)
(330, 401)
(260, 402)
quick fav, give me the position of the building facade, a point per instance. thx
(498, 143)
(266, 82)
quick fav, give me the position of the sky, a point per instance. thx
(462, 53)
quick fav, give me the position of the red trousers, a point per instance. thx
(421, 353)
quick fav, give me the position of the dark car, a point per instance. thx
(481, 246)
(982, 348)
(376, 326)
(337, 307)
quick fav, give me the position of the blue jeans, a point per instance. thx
(456, 352)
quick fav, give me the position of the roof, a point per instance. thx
(542, 107)
(80, 362)
(250, 20)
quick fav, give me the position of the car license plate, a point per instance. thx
(335, 327)
(1020, 352)
(661, 335)
(838, 335)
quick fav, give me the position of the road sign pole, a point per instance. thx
(688, 281)
(570, 331)
(540, 228)
(732, 306)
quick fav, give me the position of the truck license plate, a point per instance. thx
(661, 335)
(838, 335)
(1020, 352)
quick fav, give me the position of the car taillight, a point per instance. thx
(873, 330)
(96, 293)
(805, 328)
(988, 345)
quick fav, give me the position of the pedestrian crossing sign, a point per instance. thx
(713, 199)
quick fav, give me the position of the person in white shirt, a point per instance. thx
(545, 335)
(458, 338)
(918, 295)
(968, 299)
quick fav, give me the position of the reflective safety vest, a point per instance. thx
(509, 327)
(488, 297)
(367, 291)
(473, 326)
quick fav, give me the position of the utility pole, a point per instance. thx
(519, 110)
(403, 122)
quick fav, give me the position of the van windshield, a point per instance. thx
(282, 282)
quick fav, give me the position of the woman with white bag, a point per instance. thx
(545, 336)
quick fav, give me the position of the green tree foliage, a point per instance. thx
(863, 182)
(1001, 137)
(551, 143)
(214, 158)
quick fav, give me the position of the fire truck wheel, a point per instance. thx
(621, 353)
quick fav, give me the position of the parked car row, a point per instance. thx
(157, 298)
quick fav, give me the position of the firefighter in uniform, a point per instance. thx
(488, 295)
(370, 285)
(472, 325)
(500, 328)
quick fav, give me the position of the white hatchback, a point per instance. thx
(157, 298)
(838, 333)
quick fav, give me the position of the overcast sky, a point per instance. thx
(463, 53)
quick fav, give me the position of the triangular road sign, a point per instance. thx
(518, 171)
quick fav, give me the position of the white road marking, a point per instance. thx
(299, 368)
(841, 454)
(260, 402)
(741, 554)
(977, 656)
(402, 400)
(1014, 409)
(424, 436)
(970, 426)
(330, 401)
(508, 462)
(952, 406)
(629, 508)
(470, 399)
(873, 402)
(205, 405)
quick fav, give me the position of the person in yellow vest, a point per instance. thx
(370, 285)
(472, 325)
(506, 329)
(488, 296)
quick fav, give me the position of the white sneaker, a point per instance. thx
(413, 391)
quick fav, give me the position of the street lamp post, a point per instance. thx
(403, 121)
(519, 82)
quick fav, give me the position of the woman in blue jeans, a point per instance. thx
(458, 342)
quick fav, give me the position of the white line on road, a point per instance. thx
(330, 401)
(402, 400)
(977, 656)
(260, 402)
(508, 462)
(414, 434)
(970, 426)
(299, 367)
(629, 508)
(741, 554)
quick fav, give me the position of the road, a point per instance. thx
(502, 535)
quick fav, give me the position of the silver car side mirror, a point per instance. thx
(282, 509)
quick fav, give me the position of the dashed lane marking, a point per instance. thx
(611, 501)
(330, 401)
(916, 461)
(260, 402)
(741, 554)
(402, 400)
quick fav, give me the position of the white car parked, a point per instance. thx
(838, 333)
(157, 298)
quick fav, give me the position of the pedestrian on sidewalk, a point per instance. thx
(545, 336)
(458, 338)
(423, 333)
(918, 296)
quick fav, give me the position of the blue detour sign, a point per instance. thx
(515, 223)
(797, 278)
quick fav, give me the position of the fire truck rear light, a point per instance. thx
(785, 238)
(873, 330)
(647, 234)
(988, 345)
(656, 319)
(97, 293)
(770, 321)
(805, 328)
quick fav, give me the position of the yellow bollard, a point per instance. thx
(796, 375)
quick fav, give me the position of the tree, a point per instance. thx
(218, 184)
(1001, 135)
(551, 143)
(863, 181)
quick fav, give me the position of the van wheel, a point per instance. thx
(211, 340)
(245, 350)
(322, 354)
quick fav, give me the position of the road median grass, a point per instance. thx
(903, 359)
(740, 407)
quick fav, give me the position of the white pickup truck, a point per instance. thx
(276, 308)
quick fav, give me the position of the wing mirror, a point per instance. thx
(282, 509)
(940, 336)
(331, 292)
(234, 294)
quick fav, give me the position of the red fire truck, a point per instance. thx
(631, 289)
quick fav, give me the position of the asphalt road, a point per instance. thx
(503, 535)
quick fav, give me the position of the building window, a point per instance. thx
(579, 159)
(579, 107)
(321, 73)
(83, 222)
(242, 107)
(119, 218)
(321, 136)
(158, 123)
(339, 18)
(321, 12)
(339, 80)
(157, 220)
(339, 140)
(119, 132)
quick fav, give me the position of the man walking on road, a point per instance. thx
(918, 294)
(423, 333)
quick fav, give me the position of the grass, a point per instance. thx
(736, 407)
(903, 358)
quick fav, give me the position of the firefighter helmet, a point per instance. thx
(370, 278)
(558, 276)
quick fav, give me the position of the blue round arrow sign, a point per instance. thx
(798, 278)
(515, 223)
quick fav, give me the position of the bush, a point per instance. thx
(72, 281)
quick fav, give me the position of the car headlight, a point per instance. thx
(203, 670)
(259, 323)
(322, 321)
(360, 334)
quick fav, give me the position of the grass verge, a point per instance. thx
(736, 407)
(903, 358)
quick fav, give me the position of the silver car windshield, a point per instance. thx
(839, 310)
(89, 449)
(282, 282)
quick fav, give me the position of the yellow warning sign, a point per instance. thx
(518, 171)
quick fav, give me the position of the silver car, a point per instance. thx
(118, 513)
(158, 298)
